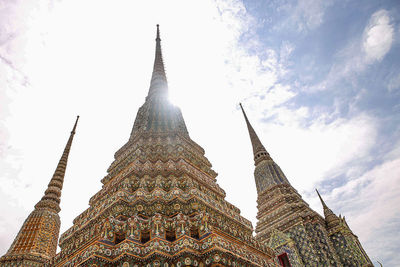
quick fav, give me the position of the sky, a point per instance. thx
(319, 79)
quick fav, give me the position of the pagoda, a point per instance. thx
(298, 235)
(160, 204)
(36, 241)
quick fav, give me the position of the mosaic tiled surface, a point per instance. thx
(348, 247)
(282, 243)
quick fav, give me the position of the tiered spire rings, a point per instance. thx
(51, 199)
(259, 151)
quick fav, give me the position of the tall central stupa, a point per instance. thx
(160, 204)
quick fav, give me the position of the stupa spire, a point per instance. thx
(157, 114)
(267, 172)
(51, 198)
(322, 201)
(36, 241)
(330, 218)
(259, 151)
(158, 84)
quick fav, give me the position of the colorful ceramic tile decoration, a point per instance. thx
(160, 205)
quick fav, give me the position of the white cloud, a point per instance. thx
(394, 83)
(304, 15)
(319, 151)
(360, 52)
(286, 51)
(312, 12)
(378, 36)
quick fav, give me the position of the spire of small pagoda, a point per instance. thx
(259, 151)
(267, 172)
(330, 218)
(158, 84)
(37, 239)
(51, 198)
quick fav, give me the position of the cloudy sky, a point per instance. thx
(320, 80)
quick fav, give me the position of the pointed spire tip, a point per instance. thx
(320, 198)
(318, 193)
(158, 32)
(76, 123)
(259, 151)
(244, 113)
